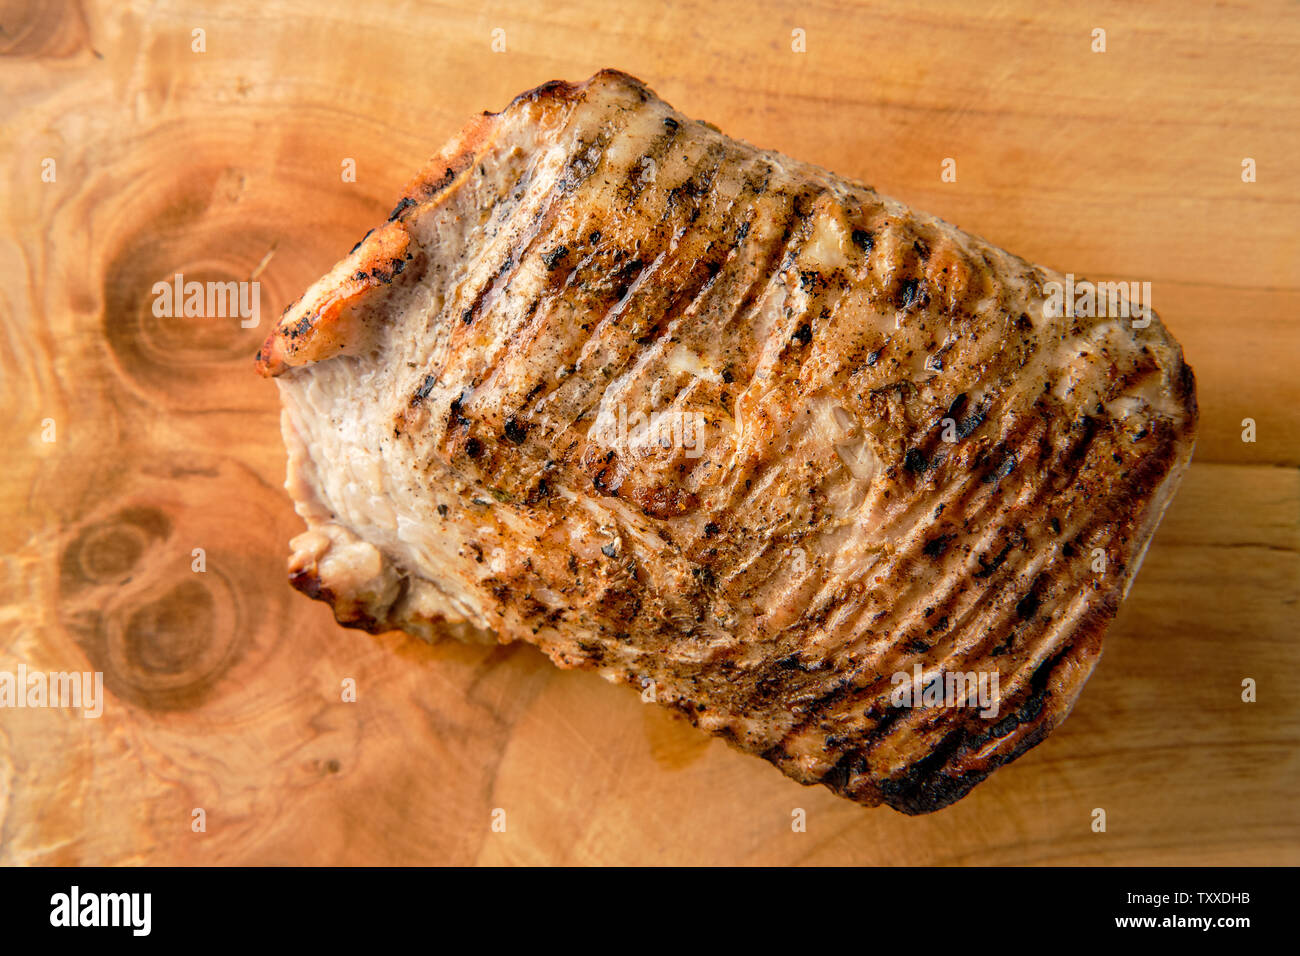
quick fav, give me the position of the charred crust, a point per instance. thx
(923, 790)
(455, 420)
(915, 461)
(363, 239)
(426, 387)
(405, 203)
(431, 188)
(945, 775)
(554, 257)
(909, 293)
(972, 421)
(850, 765)
(516, 431)
(551, 89)
(309, 583)
(988, 566)
(1005, 466)
(935, 547)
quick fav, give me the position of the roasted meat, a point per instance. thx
(724, 426)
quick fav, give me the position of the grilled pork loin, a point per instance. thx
(733, 430)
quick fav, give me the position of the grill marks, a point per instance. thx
(976, 621)
(645, 170)
(618, 271)
(586, 157)
(541, 224)
(636, 342)
(510, 329)
(637, 326)
(677, 267)
(791, 210)
(830, 701)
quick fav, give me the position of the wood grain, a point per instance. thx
(224, 686)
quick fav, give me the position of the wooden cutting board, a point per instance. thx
(135, 148)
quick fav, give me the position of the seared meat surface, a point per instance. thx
(706, 419)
